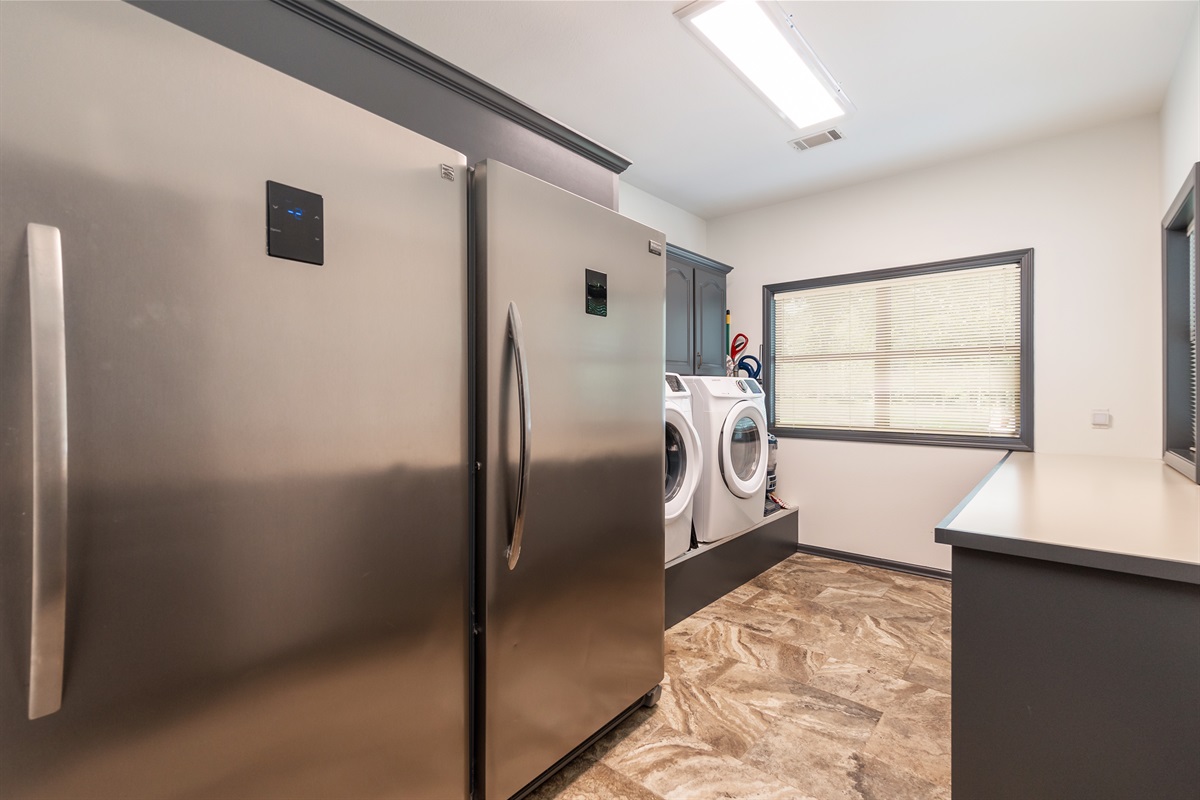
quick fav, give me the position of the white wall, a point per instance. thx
(1181, 117)
(681, 227)
(1088, 203)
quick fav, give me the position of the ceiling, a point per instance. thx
(931, 81)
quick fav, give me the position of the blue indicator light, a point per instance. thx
(296, 212)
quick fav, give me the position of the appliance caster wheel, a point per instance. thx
(651, 698)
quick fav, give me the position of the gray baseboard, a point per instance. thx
(872, 561)
(705, 575)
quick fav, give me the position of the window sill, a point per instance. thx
(926, 439)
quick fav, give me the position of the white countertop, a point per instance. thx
(1124, 514)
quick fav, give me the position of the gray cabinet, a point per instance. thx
(695, 313)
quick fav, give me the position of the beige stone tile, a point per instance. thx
(915, 735)
(810, 563)
(792, 582)
(932, 595)
(754, 619)
(879, 780)
(850, 581)
(686, 627)
(585, 779)
(773, 693)
(885, 606)
(681, 767)
(939, 641)
(802, 705)
(685, 660)
(929, 671)
(801, 608)
(733, 641)
(813, 625)
(819, 766)
(638, 726)
(887, 576)
(865, 685)
(741, 593)
(875, 643)
(710, 716)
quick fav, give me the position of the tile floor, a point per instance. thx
(818, 679)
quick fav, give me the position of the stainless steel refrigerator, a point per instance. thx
(249, 384)
(569, 304)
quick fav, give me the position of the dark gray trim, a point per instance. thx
(708, 574)
(872, 561)
(331, 48)
(696, 260)
(380, 40)
(1181, 428)
(1023, 442)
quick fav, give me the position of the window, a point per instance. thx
(933, 354)
(1179, 330)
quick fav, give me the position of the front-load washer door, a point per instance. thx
(683, 462)
(743, 455)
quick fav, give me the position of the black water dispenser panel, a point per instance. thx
(597, 293)
(295, 224)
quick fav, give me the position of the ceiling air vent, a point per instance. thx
(814, 139)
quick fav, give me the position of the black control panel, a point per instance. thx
(295, 224)
(596, 293)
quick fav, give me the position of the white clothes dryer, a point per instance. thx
(685, 462)
(731, 417)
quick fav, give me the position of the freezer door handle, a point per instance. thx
(518, 345)
(49, 361)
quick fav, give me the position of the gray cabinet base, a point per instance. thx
(1072, 682)
(705, 575)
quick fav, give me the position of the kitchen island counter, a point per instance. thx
(1132, 515)
(1076, 619)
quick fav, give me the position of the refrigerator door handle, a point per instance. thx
(518, 345)
(49, 361)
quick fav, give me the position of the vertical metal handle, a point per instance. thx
(518, 345)
(49, 358)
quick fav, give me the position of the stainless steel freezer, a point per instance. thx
(569, 327)
(265, 583)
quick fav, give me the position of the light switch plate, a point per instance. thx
(1101, 418)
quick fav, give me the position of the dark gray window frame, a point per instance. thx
(1022, 442)
(1180, 426)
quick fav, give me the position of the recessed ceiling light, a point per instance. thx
(760, 44)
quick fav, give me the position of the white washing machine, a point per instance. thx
(684, 466)
(731, 417)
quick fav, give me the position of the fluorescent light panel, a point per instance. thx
(769, 59)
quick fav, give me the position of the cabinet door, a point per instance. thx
(710, 322)
(679, 319)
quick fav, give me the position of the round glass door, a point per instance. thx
(683, 463)
(744, 449)
(744, 444)
(676, 462)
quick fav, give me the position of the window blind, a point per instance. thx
(935, 353)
